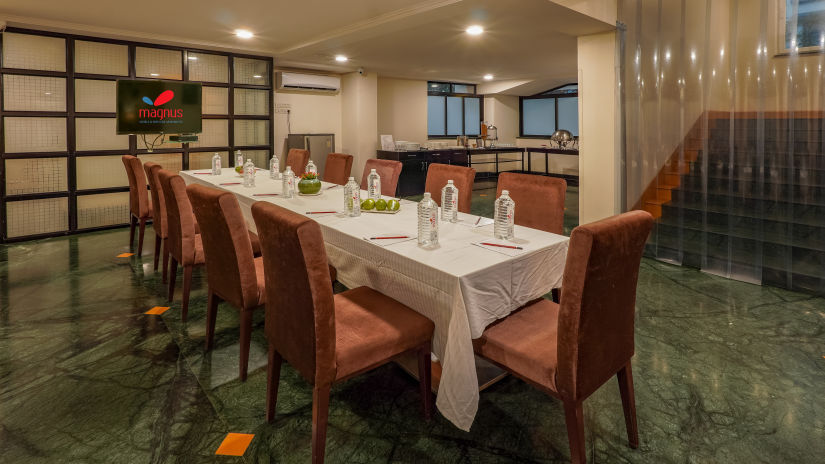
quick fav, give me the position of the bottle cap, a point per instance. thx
(505, 192)
(427, 195)
(372, 170)
(449, 182)
(352, 178)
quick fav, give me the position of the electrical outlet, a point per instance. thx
(283, 106)
(281, 110)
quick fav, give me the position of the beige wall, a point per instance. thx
(603, 10)
(359, 118)
(318, 113)
(402, 109)
(502, 111)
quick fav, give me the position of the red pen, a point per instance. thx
(232, 183)
(386, 238)
(321, 212)
(502, 246)
(201, 173)
(265, 194)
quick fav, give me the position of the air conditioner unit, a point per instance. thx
(308, 82)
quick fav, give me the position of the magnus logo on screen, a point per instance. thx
(160, 114)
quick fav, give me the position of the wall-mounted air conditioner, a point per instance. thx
(308, 82)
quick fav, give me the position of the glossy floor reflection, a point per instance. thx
(725, 372)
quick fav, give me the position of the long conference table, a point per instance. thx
(460, 285)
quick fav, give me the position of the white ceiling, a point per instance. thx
(531, 43)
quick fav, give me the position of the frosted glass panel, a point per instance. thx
(208, 68)
(435, 116)
(215, 134)
(158, 64)
(215, 100)
(259, 157)
(203, 160)
(25, 51)
(28, 135)
(95, 172)
(472, 116)
(99, 134)
(34, 93)
(102, 210)
(32, 217)
(93, 96)
(35, 175)
(454, 119)
(249, 71)
(170, 161)
(251, 132)
(250, 101)
(569, 114)
(538, 116)
(101, 58)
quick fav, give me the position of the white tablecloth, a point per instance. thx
(461, 287)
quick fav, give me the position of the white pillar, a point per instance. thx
(359, 118)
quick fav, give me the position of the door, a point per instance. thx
(319, 147)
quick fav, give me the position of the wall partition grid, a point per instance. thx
(725, 146)
(61, 171)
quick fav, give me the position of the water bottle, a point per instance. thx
(427, 222)
(274, 167)
(449, 202)
(504, 216)
(374, 185)
(311, 168)
(238, 158)
(352, 198)
(288, 186)
(216, 164)
(249, 173)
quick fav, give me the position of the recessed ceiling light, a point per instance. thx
(475, 30)
(244, 34)
(488, 77)
(154, 74)
(341, 58)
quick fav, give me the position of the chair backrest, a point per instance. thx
(180, 221)
(389, 171)
(598, 300)
(300, 310)
(338, 168)
(138, 196)
(158, 200)
(297, 159)
(230, 265)
(463, 177)
(539, 200)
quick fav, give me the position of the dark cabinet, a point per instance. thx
(413, 176)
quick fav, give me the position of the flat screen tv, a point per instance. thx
(154, 107)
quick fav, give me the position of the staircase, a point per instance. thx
(761, 203)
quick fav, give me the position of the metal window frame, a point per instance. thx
(546, 95)
(463, 96)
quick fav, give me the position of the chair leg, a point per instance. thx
(187, 284)
(320, 414)
(165, 261)
(211, 315)
(273, 377)
(132, 224)
(246, 339)
(625, 377)
(424, 370)
(574, 417)
(556, 294)
(140, 236)
(158, 241)
(173, 272)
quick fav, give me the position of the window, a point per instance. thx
(453, 110)
(549, 111)
(804, 25)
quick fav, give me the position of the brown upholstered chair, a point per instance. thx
(539, 200)
(140, 210)
(297, 159)
(327, 338)
(389, 171)
(338, 168)
(159, 215)
(437, 176)
(570, 350)
(233, 273)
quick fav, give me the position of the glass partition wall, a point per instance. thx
(723, 106)
(60, 167)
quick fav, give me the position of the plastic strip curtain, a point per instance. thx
(723, 108)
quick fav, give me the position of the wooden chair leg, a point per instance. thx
(625, 377)
(187, 285)
(140, 236)
(211, 315)
(246, 339)
(320, 415)
(273, 378)
(132, 224)
(173, 272)
(424, 375)
(158, 241)
(165, 261)
(574, 417)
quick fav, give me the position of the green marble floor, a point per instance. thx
(725, 372)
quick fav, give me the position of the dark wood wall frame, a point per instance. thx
(547, 94)
(71, 153)
(456, 94)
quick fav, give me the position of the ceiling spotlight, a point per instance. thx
(475, 30)
(244, 34)
(488, 77)
(341, 58)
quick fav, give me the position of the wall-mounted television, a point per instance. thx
(154, 107)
